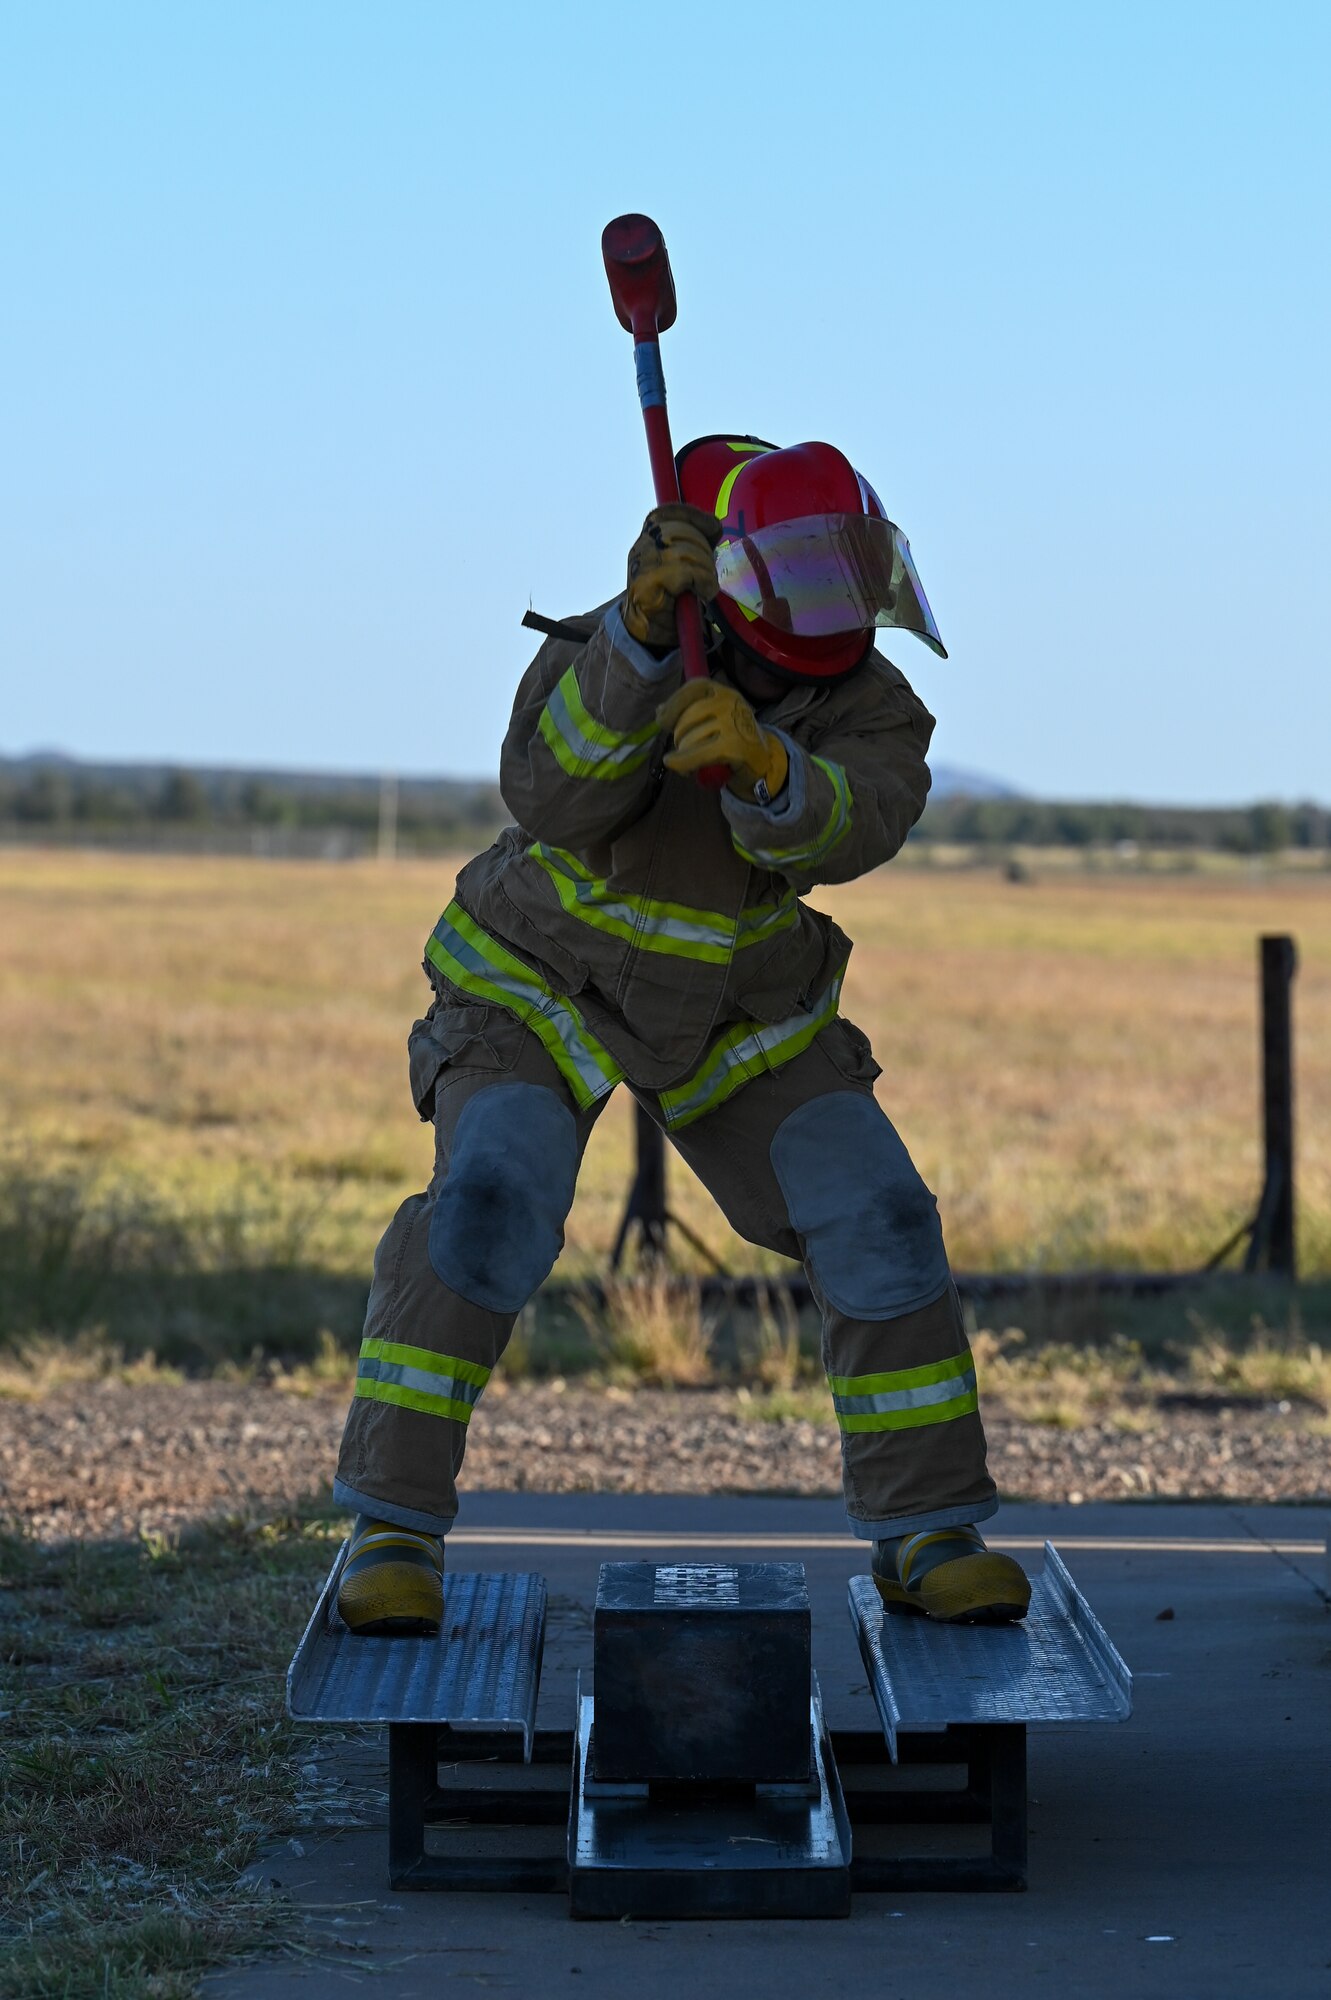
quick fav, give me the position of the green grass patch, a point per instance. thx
(147, 1755)
(194, 1278)
(812, 1405)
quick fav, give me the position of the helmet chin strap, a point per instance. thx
(754, 682)
(727, 656)
(716, 640)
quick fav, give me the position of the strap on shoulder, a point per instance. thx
(575, 633)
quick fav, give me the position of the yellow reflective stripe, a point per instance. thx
(914, 1545)
(750, 451)
(375, 1539)
(414, 1399)
(581, 745)
(905, 1397)
(835, 828)
(415, 1378)
(744, 1052)
(764, 920)
(471, 959)
(426, 1360)
(723, 502)
(588, 726)
(909, 1420)
(727, 487)
(675, 929)
(897, 1379)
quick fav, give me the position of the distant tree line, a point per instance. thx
(69, 799)
(1265, 828)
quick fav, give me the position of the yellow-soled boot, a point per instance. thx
(949, 1574)
(392, 1581)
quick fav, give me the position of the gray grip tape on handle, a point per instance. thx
(651, 381)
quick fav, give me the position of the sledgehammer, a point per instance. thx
(643, 292)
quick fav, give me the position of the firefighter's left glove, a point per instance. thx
(674, 553)
(713, 724)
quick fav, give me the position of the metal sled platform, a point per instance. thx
(479, 1676)
(716, 1788)
(964, 1694)
(1057, 1665)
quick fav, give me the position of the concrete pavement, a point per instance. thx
(1182, 1853)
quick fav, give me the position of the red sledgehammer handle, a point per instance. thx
(643, 292)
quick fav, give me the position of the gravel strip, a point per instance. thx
(106, 1459)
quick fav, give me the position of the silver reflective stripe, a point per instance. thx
(835, 828)
(427, 1382)
(744, 1052)
(946, 1391)
(638, 916)
(585, 747)
(672, 928)
(472, 959)
(650, 930)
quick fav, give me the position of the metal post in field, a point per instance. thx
(646, 1208)
(388, 817)
(1271, 1246)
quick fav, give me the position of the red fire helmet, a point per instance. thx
(809, 563)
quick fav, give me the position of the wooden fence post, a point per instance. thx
(1271, 1247)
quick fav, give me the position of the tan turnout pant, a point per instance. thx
(801, 1160)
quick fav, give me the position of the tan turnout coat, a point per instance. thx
(662, 917)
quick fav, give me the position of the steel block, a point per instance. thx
(702, 1674)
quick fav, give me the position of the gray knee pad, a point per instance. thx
(498, 1221)
(870, 1225)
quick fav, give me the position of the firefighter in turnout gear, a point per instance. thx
(635, 926)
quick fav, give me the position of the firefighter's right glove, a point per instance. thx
(713, 724)
(674, 553)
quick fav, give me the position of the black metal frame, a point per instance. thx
(646, 1212)
(417, 1751)
(993, 1756)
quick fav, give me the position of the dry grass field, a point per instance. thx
(202, 1072)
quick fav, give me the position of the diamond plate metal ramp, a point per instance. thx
(1058, 1665)
(482, 1673)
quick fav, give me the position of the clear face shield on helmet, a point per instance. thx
(828, 573)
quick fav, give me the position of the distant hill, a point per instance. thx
(950, 783)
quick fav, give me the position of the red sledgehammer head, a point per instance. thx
(641, 287)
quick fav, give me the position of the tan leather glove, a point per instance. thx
(671, 555)
(713, 724)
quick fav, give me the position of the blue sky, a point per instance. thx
(312, 381)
